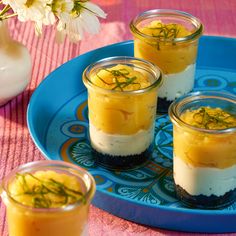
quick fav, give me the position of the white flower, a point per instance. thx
(31, 9)
(84, 17)
(38, 11)
(59, 6)
(73, 16)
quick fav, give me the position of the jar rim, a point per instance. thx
(194, 96)
(155, 71)
(169, 12)
(50, 165)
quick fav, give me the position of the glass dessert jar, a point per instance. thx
(122, 96)
(204, 143)
(169, 39)
(45, 198)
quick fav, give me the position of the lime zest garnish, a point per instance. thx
(44, 191)
(119, 74)
(219, 119)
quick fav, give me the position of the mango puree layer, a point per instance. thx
(121, 113)
(170, 57)
(24, 221)
(201, 149)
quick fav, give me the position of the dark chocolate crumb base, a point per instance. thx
(122, 162)
(205, 202)
(163, 105)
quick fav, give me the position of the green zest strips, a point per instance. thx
(121, 73)
(47, 193)
(205, 120)
(164, 33)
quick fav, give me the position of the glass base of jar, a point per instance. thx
(122, 162)
(163, 105)
(205, 202)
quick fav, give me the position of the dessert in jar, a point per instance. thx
(204, 148)
(122, 97)
(47, 198)
(169, 39)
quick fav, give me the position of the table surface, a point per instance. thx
(16, 145)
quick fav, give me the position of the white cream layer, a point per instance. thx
(178, 84)
(204, 180)
(120, 145)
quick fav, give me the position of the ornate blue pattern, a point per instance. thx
(59, 126)
(150, 184)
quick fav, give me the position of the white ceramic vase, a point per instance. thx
(15, 66)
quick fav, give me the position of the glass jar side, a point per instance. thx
(69, 219)
(191, 23)
(204, 159)
(120, 135)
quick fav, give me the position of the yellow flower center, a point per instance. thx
(29, 3)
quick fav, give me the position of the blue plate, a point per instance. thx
(58, 123)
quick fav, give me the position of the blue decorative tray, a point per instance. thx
(58, 123)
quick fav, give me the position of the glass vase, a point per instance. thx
(15, 66)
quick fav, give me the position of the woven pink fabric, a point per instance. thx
(16, 146)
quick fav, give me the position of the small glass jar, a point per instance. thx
(169, 39)
(38, 219)
(204, 148)
(121, 122)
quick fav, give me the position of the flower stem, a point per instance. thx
(9, 16)
(4, 10)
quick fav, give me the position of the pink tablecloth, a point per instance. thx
(218, 17)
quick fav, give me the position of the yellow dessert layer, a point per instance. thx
(121, 78)
(46, 189)
(170, 57)
(209, 118)
(204, 149)
(121, 113)
(27, 221)
(165, 31)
